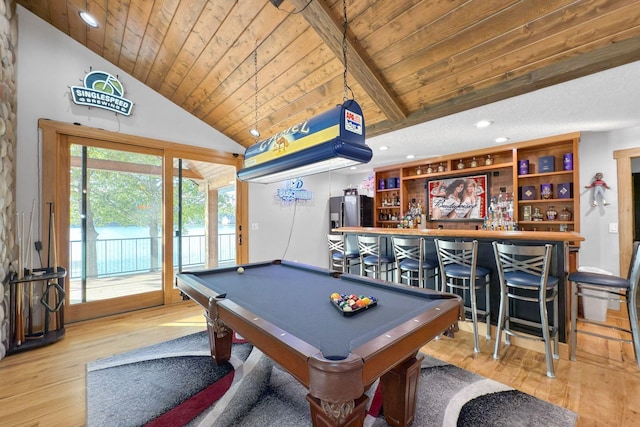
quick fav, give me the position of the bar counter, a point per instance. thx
(540, 236)
(565, 247)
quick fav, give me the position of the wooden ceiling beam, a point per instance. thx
(613, 55)
(319, 17)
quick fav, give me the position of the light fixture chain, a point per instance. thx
(344, 49)
(255, 66)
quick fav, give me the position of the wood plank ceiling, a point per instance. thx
(409, 61)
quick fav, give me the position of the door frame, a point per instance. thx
(55, 146)
(626, 219)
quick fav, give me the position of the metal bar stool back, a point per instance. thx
(459, 271)
(340, 258)
(615, 289)
(372, 258)
(524, 276)
(411, 262)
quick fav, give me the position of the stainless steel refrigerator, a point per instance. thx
(351, 211)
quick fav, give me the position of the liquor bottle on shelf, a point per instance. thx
(500, 214)
(565, 214)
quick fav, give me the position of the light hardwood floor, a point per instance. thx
(46, 386)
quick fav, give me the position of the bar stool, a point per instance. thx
(340, 258)
(524, 276)
(372, 260)
(411, 261)
(459, 271)
(616, 289)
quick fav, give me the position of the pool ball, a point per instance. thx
(240, 270)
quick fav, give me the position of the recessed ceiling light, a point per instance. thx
(501, 139)
(410, 156)
(384, 147)
(483, 124)
(88, 19)
(353, 168)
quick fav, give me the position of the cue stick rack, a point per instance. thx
(36, 304)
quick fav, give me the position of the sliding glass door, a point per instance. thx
(204, 215)
(129, 212)
(115, 217)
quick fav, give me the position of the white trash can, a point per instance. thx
(594, 308)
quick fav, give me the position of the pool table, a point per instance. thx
(284, 309)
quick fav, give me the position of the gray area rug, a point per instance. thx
(262, 394)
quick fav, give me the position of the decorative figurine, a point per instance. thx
(598, 186)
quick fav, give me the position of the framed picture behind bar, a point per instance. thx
(458, 199)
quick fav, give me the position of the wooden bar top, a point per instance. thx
(551, 236)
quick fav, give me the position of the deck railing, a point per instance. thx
(120, 256)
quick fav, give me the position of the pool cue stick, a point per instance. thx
(19, 329)
(53, 237)
(29, 256)
(55, 259)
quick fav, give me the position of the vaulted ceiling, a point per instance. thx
(408, 61)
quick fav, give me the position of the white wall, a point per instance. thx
(48, 63)
(296, 231)
(600, 248)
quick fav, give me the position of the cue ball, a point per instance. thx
(240, 270)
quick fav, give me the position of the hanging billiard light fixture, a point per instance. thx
(332, 140)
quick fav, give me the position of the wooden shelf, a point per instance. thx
(545, 222)
(544, 174)
(504, 177)
(458, 172)
(549, 201)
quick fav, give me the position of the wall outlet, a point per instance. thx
(254, 226)
(613, 227)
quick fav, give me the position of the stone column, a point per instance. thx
(8, 129)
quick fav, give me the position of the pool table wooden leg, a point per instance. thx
(220, 340)
(325, 414)
(399, 392)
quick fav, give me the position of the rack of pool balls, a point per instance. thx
(352, 304)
